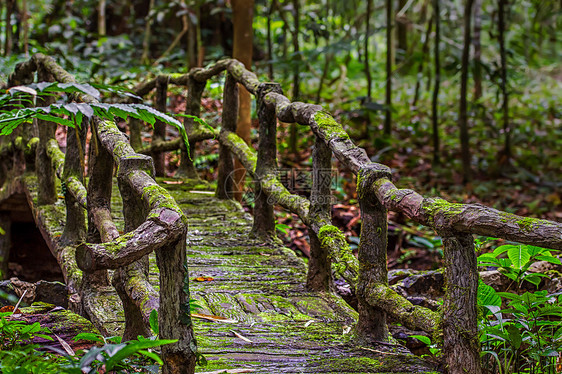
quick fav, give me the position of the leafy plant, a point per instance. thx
(433, 347)
(72, 114)
(526, 335)
(519, 258)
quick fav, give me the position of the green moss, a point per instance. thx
(442, 206)
(339, 251)
(240, 145)
(329, 126)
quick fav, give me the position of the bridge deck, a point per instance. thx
(276, 325)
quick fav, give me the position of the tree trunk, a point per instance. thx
(402, 31)
(366, 48)
(101, 18)
(506, 157)
(477, 73)
(8, 41)
(425, 51)
(25, 28)
(243, 14)
(145, 59)
(272, 7)
(463, 120)
(389, 59)
(435, 99)
(296, 74)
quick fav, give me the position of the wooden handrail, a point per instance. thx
(148, 208)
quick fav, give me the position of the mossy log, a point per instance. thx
(468, 218)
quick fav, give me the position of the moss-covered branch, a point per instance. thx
(195, 135)
(73, 185)
(412, 316)
(160, 230)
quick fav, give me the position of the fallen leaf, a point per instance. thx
(209, 317)
(203, 279)
(173, 182)
(309, 323)
(240, 336)
(65, 345)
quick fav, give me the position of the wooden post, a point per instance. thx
(100, 168)
(75, 226)
(373, 271)
(225, 185)
(264, 221)
(461, 345)
(46, 193)
(134, 213)
(180, 357)
(319, 277)
(193, 108)
(159, 126)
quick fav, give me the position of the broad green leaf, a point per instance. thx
(487, 296)
(153, 320)
(422, 338)
(518, 255)
(132, 348)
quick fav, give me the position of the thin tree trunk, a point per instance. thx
(243, 14)
(435, 99)
(8, 42)
(25, 19)
(402, 30)
(463, 120)
(269, 41)
(505, 106)
(389, 59)
(296, 74)
(425, 50)
(477, 73)
(147, 33)
(366, 49)
(101, 18)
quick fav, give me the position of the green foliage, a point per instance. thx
(13, 332)
(433, 347)
(520, 332)
(18, 356)
(72, 114)
(516, 264)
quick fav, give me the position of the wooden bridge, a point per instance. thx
(162, 244)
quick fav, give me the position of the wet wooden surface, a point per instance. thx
(273, 324)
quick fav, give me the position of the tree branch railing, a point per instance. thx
(455, 223)
(153, 222)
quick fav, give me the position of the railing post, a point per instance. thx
(193, 108)
(264, 221)
(159, 126)
(134, 213)
(75, 226)
(100, 170)
(373, 271)
(461, 345)
(47, 193)
(225, 185)
(319, 277)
